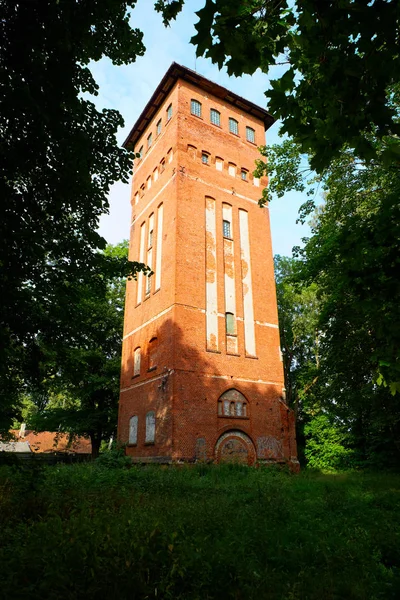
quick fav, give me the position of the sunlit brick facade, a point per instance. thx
(202, 377)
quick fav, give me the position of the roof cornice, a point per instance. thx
(166, 84)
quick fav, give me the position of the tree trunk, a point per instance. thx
(95, 441)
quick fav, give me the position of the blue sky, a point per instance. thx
(128, 88)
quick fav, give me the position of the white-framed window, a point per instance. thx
(169, 113)
(133, 429)
(136, 362)
(233, 126)
(149, 140)
(150, 427)
(205, 158)
(158, 127)
(215, 117)
(250, 135)
(195, 108)
(226, 229)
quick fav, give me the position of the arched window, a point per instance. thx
(153, 351)
(250, 135)
(233, 126)
(170, 155)
(150, 427)
(232, 404)
(136, 362)
(133, 429)
(195, 108)
(215, 117)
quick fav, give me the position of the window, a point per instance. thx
(192, 150)
(205, 158)
(140, 152)
(149, 140)
(162, 165)
(169, 113)
(158, 127)
(150, 239)
(233, 126)
(215, 117)
(250, 135)
(155, 174)
(195, 108)
(136, 362)
(153, 348)
(133, 428)
(219, 163)
(149, 182)
(170, 155)
(136, 197)
(229, 323)
(142, 190)
(232, 404)
(150, 427)
(256, 181)
(148, 285)
(243, 174)
(232, 170)
(226, 229)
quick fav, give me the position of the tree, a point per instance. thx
(59, 159)
(341, 56)
(79, 390)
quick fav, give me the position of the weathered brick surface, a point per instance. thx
(187, 382)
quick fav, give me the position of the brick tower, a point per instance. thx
(202, 377)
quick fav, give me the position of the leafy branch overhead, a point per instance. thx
(343, 59)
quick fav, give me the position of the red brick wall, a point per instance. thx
(184, 388)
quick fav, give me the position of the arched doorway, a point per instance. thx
(235, 447)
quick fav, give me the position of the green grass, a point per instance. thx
(85, 531)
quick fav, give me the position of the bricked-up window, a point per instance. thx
(215, 117)
(153, 353)
(243, 174)
(232, 404)
(149, 140)
(250, 135)
(233, 126)
(150, 427)
(205, 158)
(229, 323)
(192, 151)
(133, 429)
(136, 362)
(169, 113)
(158, 127)
(226, 229)
(195, 108)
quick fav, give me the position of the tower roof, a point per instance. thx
(176, 72)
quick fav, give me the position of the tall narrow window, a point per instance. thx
(170, 155)
(195, 108)
(226, 229)
(133, 428)
(233, 126)
(150, 251)
(140, 152)
(229, 323)
(243, 174)
(162, 165)
(149, 182)
(250, 135)
(149, 140)
(158, 127)
(136, 197)
(215, 117)
(205, 158)
(155, 174)
(150, 427)
(169, 112)
(232, 170)
(136, 362)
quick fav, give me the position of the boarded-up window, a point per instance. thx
(150, 427)
(133, 429)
